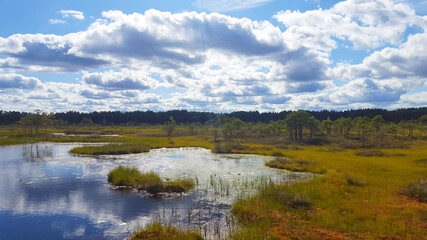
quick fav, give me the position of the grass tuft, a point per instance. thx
(156, 231)
(150, 181)
(179, 185)
(132, 177)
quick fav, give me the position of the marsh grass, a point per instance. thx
(277, 154)
(417, 190)
(372, 153)
(340, 209)
(179, 185)
(295, 165)
(150, 181)
(111, 149)
(353, 181)
(228, 147)
(156, 231)
(132, 177)
(6, 140)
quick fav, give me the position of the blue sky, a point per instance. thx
(221, 56)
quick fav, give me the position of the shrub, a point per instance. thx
(278, 154)
(422, 161)
(222, 148)
(227, 147)
(373, 153)
(355, 181)
(300, 202)
(289, 199)
(416, 191)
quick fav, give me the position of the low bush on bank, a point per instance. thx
(373, 153)
(156, 231)
(294, 166)
(228, 147)
(111, 149)
(416, 191)
(353, 181)
(422, 161)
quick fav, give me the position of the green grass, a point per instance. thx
(132, 177)
(111, 149)
(150, 181)
(179, 185)
(156, 231)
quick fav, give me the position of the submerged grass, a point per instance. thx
(150, 181)
(111, 149)
(156, 231)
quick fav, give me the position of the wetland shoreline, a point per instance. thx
(329, 204)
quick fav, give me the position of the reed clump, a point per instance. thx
(150, 181)
(132, 177)
(156, 231)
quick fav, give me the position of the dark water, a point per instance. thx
(46, 193)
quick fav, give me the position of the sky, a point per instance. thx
(219, 56)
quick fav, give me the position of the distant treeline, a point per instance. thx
(184, 116)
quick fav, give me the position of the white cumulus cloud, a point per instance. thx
(12, 80)
(72, 14)
(56, 21)
(228, 5)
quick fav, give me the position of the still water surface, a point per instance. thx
(47, 193)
